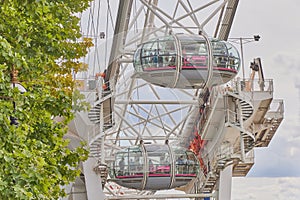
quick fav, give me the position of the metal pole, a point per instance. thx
(242, 41)
(242, 57)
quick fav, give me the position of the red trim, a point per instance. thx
(185, 175)
(188, 67)
(159, 175)
(156, 175)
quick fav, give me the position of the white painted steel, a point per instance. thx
(140, 111)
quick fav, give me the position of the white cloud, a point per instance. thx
(283, 188)
(265, 188)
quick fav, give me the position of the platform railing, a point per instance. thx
(277, 106)
(231, 117)
(256, 85)
(94, 85)
(228, 152)
(250, 85)
(88, 87)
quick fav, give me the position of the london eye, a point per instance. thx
(168, 110)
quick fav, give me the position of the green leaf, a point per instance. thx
(35, 155)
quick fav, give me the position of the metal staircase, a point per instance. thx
(270, 124)
(95, 149)
(241, 169)
(246, 109)
(249, 142)
(94, 114)
(237, 110)
(267, 134)
(210, 183)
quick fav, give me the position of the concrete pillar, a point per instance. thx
(225, 183)
(92, 180)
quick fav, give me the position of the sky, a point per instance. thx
(282, 188)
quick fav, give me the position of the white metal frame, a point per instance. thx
(154, 119)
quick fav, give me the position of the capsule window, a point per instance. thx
(234, 57)
(158, 159)
(137, 60)
(135, 160)
(194, 53)
(121, 164)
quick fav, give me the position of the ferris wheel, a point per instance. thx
(167, 112)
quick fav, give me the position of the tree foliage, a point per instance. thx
(39, 39)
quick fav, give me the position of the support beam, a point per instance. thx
(228, 19)
(120, 34)
(92, 180)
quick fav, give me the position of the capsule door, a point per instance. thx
(128, 168)
(159, 167)
(186, 166)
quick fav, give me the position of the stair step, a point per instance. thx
(94, 114)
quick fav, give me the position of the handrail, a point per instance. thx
(256, 85)
(277, 106)
(231, 116)
(227, 152)
(94, 85)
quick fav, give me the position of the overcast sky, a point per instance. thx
(283, 188)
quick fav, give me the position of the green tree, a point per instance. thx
(39, 39)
